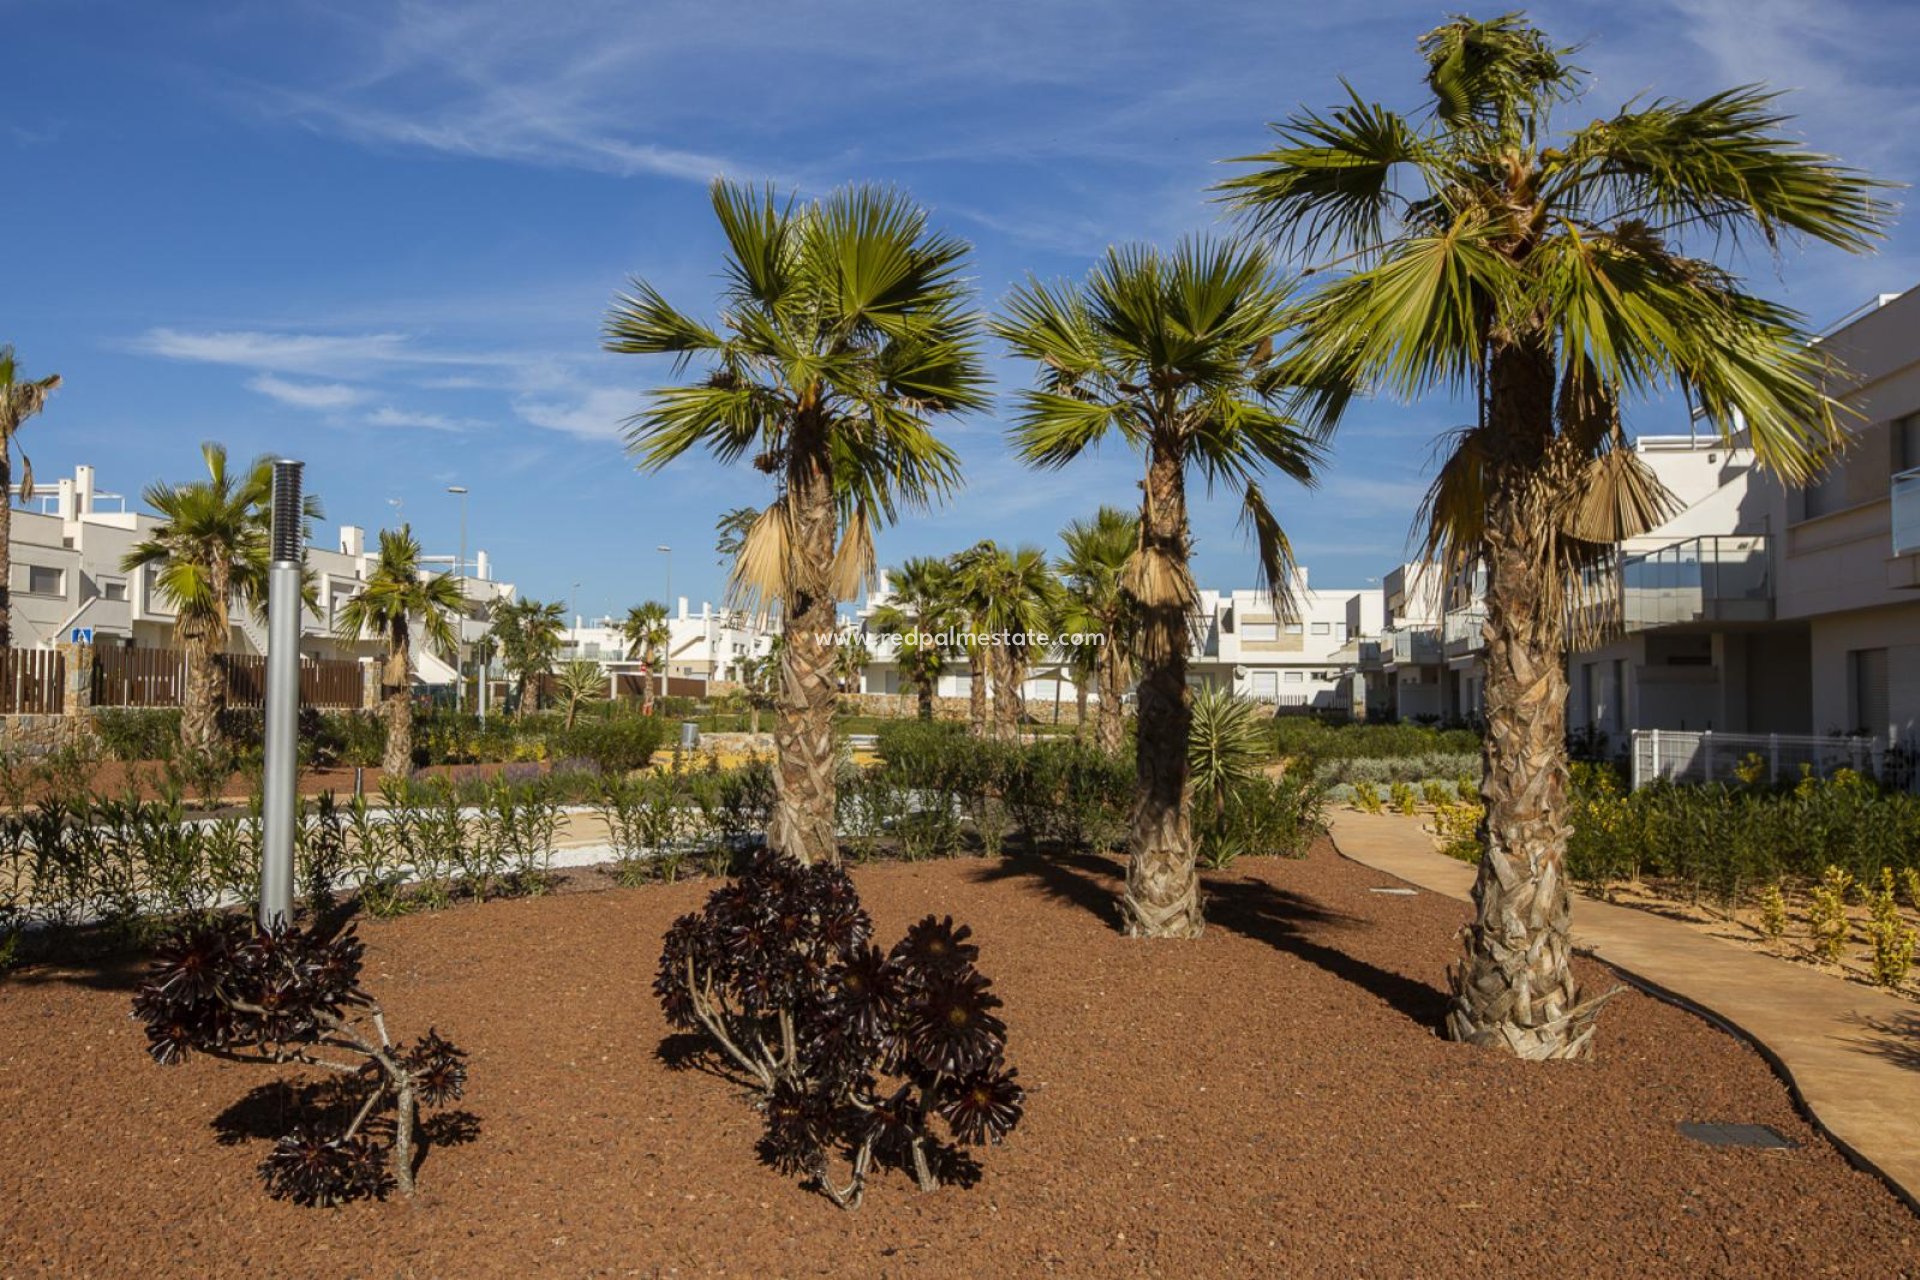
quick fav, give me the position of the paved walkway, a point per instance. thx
(1851, 1053)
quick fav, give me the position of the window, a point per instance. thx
(44, 581)
(1323, 628)
(1294, 677)
(1340, 632)
(1257, 632)
(1906, 442)
(1293, 628)
(1827, 493)
(1266, 684)
(1867, 702)
(111, 590)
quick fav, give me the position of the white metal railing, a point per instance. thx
(1906, 512)
(1716, 578)
(1461, 632)
(1417, 645)
(1684, 755)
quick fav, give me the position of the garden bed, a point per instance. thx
(1271, 1099)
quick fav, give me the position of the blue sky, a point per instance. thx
(382, 237)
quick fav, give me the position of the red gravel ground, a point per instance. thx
(1269, 1100)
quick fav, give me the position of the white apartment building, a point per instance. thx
(68, 544)
(1762, 607)
(1241, 642)
(711, 646)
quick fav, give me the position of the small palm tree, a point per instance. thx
(527, 633)
(19, 400)
(397, 591)
(851, 662)
(209, 549)
(580, 681)
(1016, 599)
(1097, 604)
(918, 609)
(968, 607)
(1545, 274)
(648, 633)
(1172, 353)
(845, 330)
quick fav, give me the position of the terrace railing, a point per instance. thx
(1681, 755)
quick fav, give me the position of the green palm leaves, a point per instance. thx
(646, 633)
(21, 398)
(398, 590)
(847, 328)
(1174, 354)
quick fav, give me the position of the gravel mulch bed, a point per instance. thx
(1271, 1099)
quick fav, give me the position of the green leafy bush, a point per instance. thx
(616, 745)
(151, 733)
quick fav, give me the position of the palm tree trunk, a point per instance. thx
(6, 543)
(1110, 730)
(924, 683)
(199, 709)
(1514, 986)
(1163, 879)
(977, 691)
(802, 822)
(1006, 702)
(396, 691)
(1081, 729)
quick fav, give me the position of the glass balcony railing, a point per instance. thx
(1709, 579)
(1415, 646)
(1460, 633)
(1906, 512)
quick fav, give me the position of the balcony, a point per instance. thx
(1460, 633)
(1708, 579)
(1906, 512)
(1411, 646)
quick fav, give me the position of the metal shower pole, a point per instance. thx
(282, 703)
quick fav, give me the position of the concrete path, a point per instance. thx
(1851, 1053)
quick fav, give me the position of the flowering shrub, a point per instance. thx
(229, 989)
(850, 1048)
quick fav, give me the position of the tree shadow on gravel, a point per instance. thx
(1257, 910)
(691, 1051)
(1086, 880)
(1247, 906)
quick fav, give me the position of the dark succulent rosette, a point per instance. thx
(935, 948)
(438, 1068)
(983, 1106)
(311, 1169)
(951, 1027)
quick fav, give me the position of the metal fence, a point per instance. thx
(1681, 755)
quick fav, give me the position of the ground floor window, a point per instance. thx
(1868, 708)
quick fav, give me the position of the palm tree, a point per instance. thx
(647, 633)
(1091, 571)
(528, 633)
(845, 329)
(209, 548)
(1016, 598)
(19, 400)
(398, 590)
(1172, 352)
(1476, 249)
(851, 661)
(581, 681)
(968, 607)
(731, 531)
(918, 609)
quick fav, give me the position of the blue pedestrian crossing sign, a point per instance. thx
(82, 635)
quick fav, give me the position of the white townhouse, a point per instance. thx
(712, 646)
(68, 544)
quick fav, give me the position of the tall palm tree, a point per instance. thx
(845, 330)
(210, 548)
(968, 608)
(1475, 248)
(1017, 598)
(19, 400)
(1091, 572)
(397, 591)
(648, 634)
(918, 609)
(1173, 353)
(527, 632)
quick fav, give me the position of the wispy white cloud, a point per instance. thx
(307, 353)
(307, 395)
(598, 413)
(388, 416)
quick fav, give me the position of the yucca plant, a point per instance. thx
(581, 681)
(1545, 277)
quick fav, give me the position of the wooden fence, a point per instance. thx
(157, 678)
(32, 681)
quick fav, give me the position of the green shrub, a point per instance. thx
(1262, 817)
(1318, 740)
(137, 733)
(617, 745)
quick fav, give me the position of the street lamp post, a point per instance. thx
(459, 573)
(281, 705)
